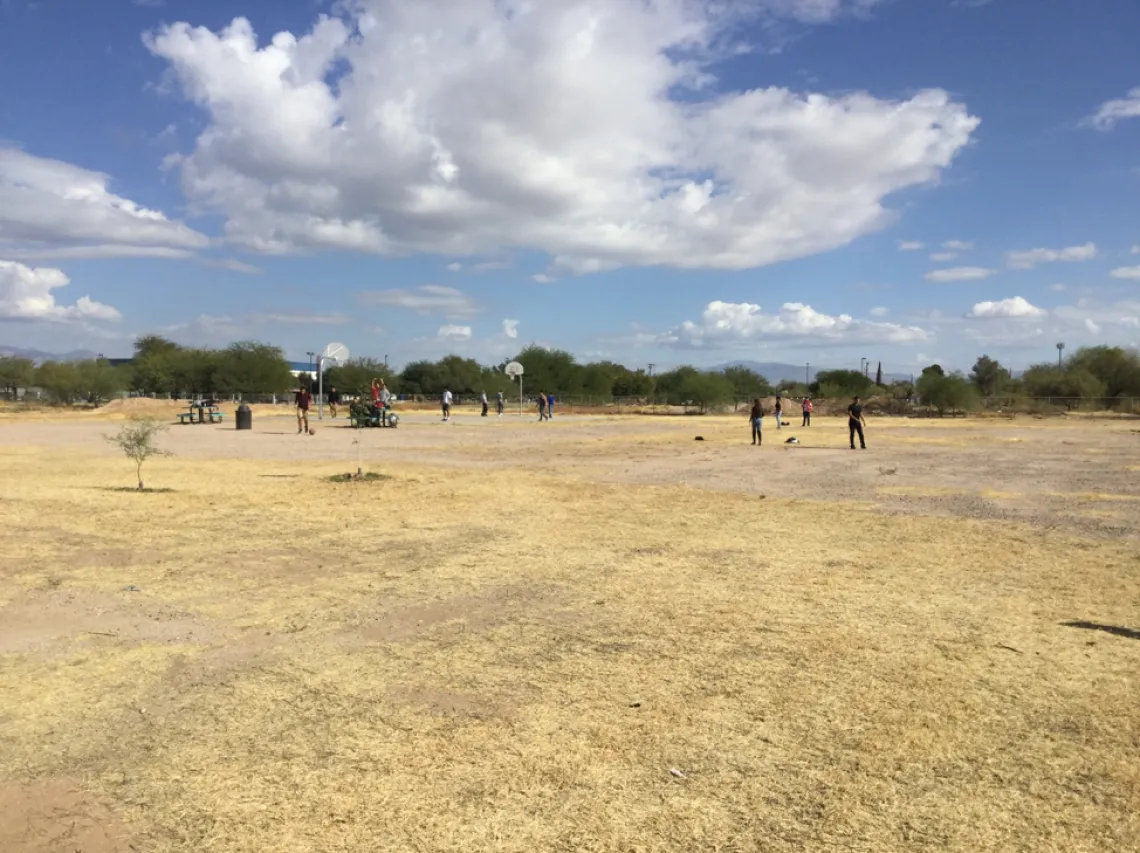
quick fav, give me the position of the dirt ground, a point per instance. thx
(596, 634)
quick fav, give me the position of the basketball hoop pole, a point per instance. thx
(320, 389)
(520, 396)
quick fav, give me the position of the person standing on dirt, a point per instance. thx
(807, 412)
(499, 404)
(334, 401)
(856, 422)
(541, 406)
(549, 406)
(303, 399)
(445, 404)
(485, 404)
(384, 402)
(779, 412)
(756, 418)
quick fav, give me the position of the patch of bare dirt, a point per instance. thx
(57, 816)
(41, 619)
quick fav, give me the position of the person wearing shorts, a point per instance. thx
(303, 400)
(445, 404)
(334, 401)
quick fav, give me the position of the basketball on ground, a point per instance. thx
(312, 430)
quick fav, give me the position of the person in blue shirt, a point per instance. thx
(549, 406)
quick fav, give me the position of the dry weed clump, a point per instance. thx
(487, 661)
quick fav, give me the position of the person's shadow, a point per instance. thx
(1115, 630)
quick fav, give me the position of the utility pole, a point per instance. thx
(1060, 351)
(311, 356)
(807, 373)
(385, 361)
(651, 366)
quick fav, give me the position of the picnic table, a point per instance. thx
(201, 412)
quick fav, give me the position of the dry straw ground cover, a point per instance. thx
(511, 651)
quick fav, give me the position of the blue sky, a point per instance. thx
(806, 180)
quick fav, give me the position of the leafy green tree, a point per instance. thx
(355, 376)
(194, 372)
(1117, 369)
(841, 383)
(879, 375)
(936, 369)
(252, 368)
(16, 373)
(708, 389)
(551, 370)
(98, 381)
(988, 375)
(1073, 384)
(60, 381)
(746, 383)
(136, 439)
(670, 385)
(633, 383)
(948, 392)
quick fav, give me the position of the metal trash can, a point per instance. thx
(243, 419)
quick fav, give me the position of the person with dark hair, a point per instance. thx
(856, 422)
(302, 400)
(756, 418)
(807, 412)
(334, 401)
(779, 412)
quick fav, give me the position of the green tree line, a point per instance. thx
(162, 367)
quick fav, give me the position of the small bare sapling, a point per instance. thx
(137, 441)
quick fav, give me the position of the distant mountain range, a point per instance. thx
(39, 356)
(779, 372)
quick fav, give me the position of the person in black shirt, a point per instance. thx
(334, 401)
(756, 418)
(855, 423)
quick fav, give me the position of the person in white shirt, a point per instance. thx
(499, 404)
(485, 404)
(446, 404)
(385, 402)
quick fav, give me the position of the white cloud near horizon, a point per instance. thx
(1029, 259)
(941, 257)
(455, 150)
(959, 274)
(49, 208)
(1111, 112)
(26, 294)
(911, 245)
(958, 245)
(1016, 307)
(729, 324)
(1132, 273)
(430, 299)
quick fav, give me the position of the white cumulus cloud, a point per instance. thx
(477, 127)
(52, 208)
(1031, 258)
(943, 256)
(910, 245)
(727, 324)
(1111, 112)
(26, 294)
(430, 299)
(1015, 307)
(959, 274)
(958, 245)
(879, 311)
(511, 328)
(454, 333)
(1126, 272)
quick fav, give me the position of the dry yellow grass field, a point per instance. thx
(592, 635)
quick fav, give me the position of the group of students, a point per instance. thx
(855, 420)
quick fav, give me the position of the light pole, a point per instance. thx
(311, 355)
(1060, 351)
(807, 373)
